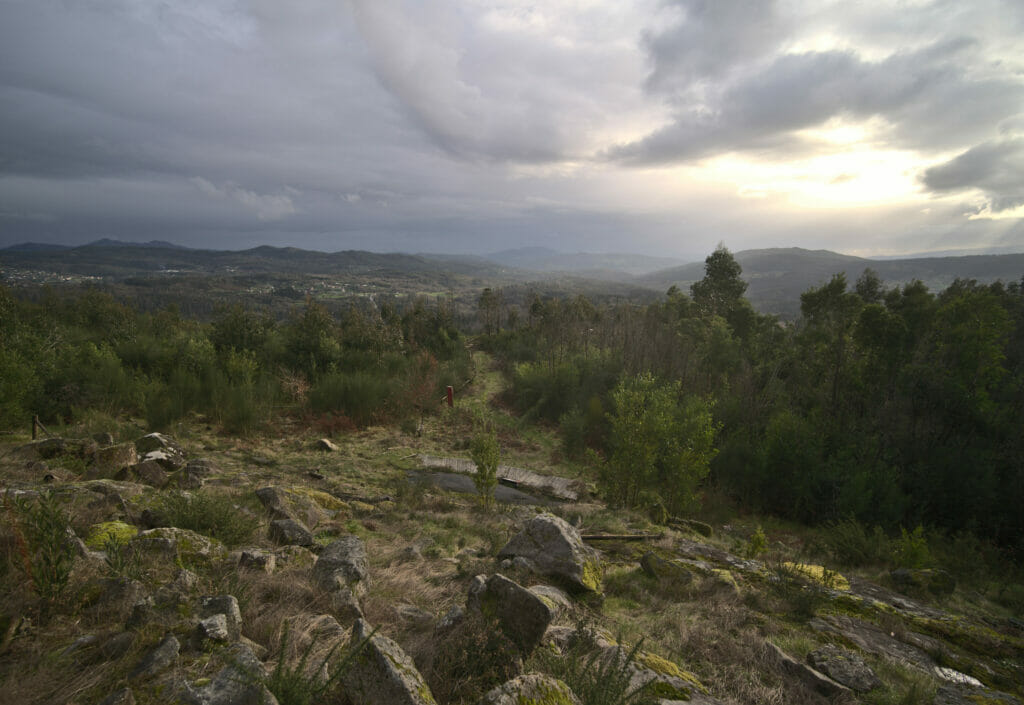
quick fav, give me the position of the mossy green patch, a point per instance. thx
(325, 500)
(591, 575)
(119, 531)
(664, 667)
(556, 694)
(820, 574)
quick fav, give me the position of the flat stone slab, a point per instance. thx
(558, 487)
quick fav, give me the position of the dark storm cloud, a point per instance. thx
(996, 168)
(925, 96)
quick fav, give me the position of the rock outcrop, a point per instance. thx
(557, 550)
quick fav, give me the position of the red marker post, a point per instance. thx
(451, 395)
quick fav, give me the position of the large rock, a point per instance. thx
(844, 667)
(556, 549)
(343, 565)
(150, 472)
(382, 674)
(157, 441)
(284, 504)
(533, 688)
(522, 615)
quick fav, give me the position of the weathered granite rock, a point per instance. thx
(157, 660)
(238, 683)
(117, 645)
(288, 532)
(150, 472)
(212, 629)
(169, 460)
(343, 564)
(954, 695)
(557, 550)
(257, 559)
(531, 688)
(285, 504)
(812, 678)
(844, 667)
(108, 461)
(157, 441)
(520, 614)
(557, 601)
(383, 674)
(225, 605)
(171, 541)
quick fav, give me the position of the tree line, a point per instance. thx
(892, 406)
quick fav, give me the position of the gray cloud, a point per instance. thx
(996, 168)
(928, 100)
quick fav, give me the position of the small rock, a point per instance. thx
(213, 628)
(108, 461)
(326, 445)
(160, 658)
(383, 674)
(530, 688)
(256, 559)
(414, 615)
(167, 459)
(343, 564)
(238, 683)
(104, 439)
(151, 473)
(345, 605)
(156, 441)
(844, 667)
(225, 605)
(290, 532)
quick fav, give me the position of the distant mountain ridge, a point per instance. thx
(777, 276)
(544, 259)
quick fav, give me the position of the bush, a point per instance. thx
(361, 396)
(850, 543)
(484, 451)
(42, 532)
(911, 549)
(214, 515)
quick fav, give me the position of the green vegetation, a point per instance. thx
(46, 555)
(212, 514)
(483, 449)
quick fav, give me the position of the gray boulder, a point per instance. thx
(108, 461)
(555, 547)
(383, 674)
(225, 605)
(238, 683)
(844, 667)
(343, 565)
(530, 688)
(288, 532)
(519, 613)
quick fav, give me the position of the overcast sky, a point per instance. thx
(654, 126)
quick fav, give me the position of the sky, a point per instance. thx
(661, 127)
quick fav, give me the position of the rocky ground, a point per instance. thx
(198, 569)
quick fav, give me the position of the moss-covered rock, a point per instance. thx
(119, 531)
(820, 575)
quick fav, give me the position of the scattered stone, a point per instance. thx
(160, 658)
(556, 600)
(213, 628)
(295, 505)
(810, 677)
(109, 461)
(557, 550)
(522, 615)
(167, 459)
(295, 556)
(531, 688)
(290, 532)
(191, 477)
(345, 605)
(326, 445)
(844, 667)
(157, 441)
(257, 559)
(451, 619)
(383, 674)
(171, 541)
(342, 564)
(238, 683)
(150, 472)
(125, 696)
(115, 597)
(225, 605)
